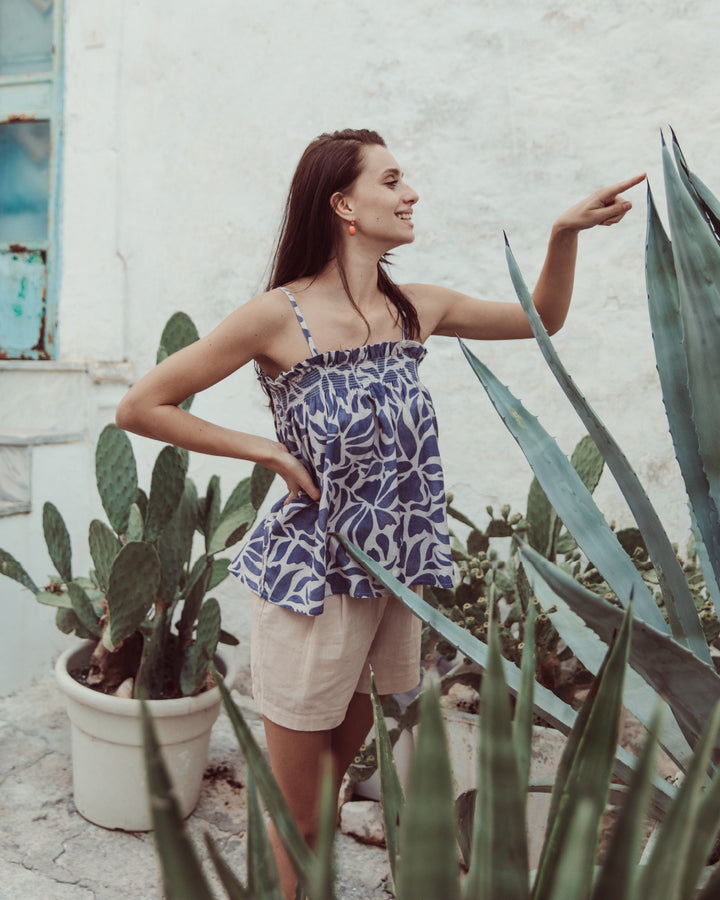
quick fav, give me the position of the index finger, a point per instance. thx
(608, 193)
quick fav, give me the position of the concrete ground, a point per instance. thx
(48, 851)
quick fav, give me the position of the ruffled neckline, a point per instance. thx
(353, 356)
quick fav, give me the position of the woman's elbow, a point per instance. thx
(126, 415)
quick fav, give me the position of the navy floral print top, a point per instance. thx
(364, 426)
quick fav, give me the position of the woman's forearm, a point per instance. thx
(554, 287)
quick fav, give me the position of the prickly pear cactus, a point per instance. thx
(116, 474)
(58, 541)
(133, 584)
(104, 547)
(166, 489)
(200, 653)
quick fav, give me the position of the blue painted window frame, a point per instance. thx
(38, 97)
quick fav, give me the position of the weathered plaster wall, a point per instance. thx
(183, 126)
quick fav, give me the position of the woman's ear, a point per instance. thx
(341, 206)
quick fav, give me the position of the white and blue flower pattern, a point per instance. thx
(364, 426)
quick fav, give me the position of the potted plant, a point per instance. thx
(148, 627)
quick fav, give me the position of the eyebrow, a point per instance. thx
(392, 172)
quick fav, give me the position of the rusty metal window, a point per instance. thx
(30, 128)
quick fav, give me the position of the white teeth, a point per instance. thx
(407, 216)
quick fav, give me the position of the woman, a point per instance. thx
(336, 345)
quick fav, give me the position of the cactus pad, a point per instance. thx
(116, 475)
(104, 547)
(58, 541)
(179, 332)
(83, 609)
(260, 482)
(175, 542)
(133, 585)
(199, 654)
(166, 488)
(11, 568)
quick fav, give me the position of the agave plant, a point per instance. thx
(144, 602)
(422, 829)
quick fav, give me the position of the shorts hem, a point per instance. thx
(298, 721)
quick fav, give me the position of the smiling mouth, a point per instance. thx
(406, 217)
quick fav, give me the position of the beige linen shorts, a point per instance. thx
(305, 669)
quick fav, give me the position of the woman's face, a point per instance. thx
(380, 201)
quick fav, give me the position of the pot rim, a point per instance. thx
(128, 706)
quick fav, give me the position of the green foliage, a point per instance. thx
(425, 863)
(145, 588)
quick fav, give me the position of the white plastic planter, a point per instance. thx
(109, 782)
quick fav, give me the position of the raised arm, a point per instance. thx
(151, 406)
(447, 312)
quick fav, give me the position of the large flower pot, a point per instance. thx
(109, 783)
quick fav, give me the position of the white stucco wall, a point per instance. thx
(183, 126)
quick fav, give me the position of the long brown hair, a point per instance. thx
(308, 236)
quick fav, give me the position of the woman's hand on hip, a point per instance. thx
(293, 472)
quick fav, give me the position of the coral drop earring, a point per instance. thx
(351, 228)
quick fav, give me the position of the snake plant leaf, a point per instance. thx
(166, 490)
(616, 877)
(11, 568)
(689, 686)
(640, 697)
(391, 791)
(428, 867)
(263, 879)
(662, 875)
(323, 876)
(569, 496)
(297, 850)
(574, 872)
(183, 877)
(697, 265)
(706, 201)
(678, 599)
(590, 767)
(57, 539)
(706, 828)
(499, 859)
(523, 721)
(546, 704)
(664, 308)
(234, 888)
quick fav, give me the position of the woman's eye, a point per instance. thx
(392, 183)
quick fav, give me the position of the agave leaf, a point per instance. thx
(296, 848)
(324, 871)
(229, 880)
(711, 888)
(662, 875)
(569, 496)
(428, 868)
(690, 687)
(183, 877)
(617, 874)
(263, 879)
(391, 790)
(664, 307)
(11, 568)
(706, 201)
(523, 721)
(640, 697)
(590, 768)
(671, 579)
(546, 704)
(697, 265)
(499, 861)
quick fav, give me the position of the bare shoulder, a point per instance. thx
(431, 302)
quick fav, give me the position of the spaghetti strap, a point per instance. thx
(301, 321)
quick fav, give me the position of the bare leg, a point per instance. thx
(296, 758)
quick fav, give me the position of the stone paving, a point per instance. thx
(48, 851)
